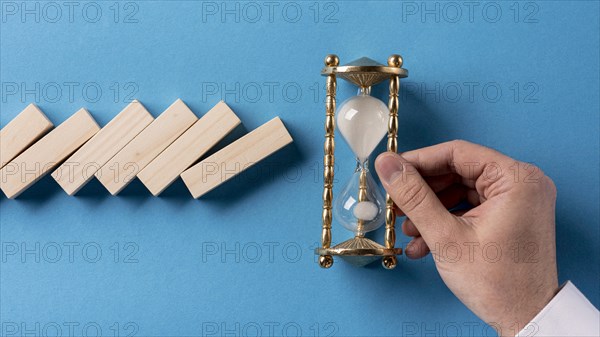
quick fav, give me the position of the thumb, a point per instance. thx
(414, 197)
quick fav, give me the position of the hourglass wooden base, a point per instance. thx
(363, 73)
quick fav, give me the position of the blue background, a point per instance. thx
(240, 258)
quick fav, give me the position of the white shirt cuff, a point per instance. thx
(568, 314)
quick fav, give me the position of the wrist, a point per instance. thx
(525, 311)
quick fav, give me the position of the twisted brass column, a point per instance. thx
(390, 262)
(326, 261)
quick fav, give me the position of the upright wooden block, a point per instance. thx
(188, 148)
(21, 132)
(120, 170)
(80, 168)
(236, 157)
(47, 153)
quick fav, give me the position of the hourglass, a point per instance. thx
(363, 121)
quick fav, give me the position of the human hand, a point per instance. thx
(498, 258)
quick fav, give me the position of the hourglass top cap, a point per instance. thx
(364, 72)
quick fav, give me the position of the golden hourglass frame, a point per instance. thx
(364, 73)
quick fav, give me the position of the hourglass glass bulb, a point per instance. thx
(362, 121)
(360, 207)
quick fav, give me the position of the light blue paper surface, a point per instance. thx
(522, 77)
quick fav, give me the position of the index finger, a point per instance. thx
(464, 158)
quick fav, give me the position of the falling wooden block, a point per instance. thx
(188, 148)
(21, 132)
(47, 153)
(80, 168)
(236, 157)
(120, 170)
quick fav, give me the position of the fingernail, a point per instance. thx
(389, 167)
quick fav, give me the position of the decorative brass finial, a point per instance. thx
(389, 262)
(326, 261)
(395, 61)
(332, 60)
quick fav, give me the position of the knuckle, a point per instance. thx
(411, 196)
(535, 181)
(458, 143)
(534, 169)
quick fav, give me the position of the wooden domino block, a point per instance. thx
(21, 132)
(188, 148)
(80, 168)
(121, 169)
(47, 153)
(236, 157)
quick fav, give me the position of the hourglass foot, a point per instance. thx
(361, 251)
(326, 261)
(389, 262)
